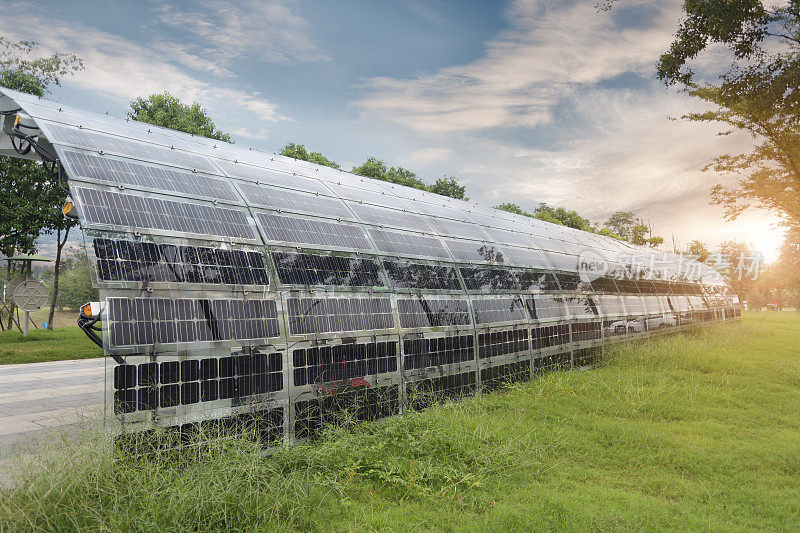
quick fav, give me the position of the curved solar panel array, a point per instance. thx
(238, 282)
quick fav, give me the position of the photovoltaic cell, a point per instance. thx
(271, 177)
(437, 351)
(397, 243)
(283, 199)
(379, 216)
(499, 310)
(488, 279)
(408, 275)
(302, 231)
(322, 315)
(504, 342)
(154, 385)
(133, 211)
(323, 364)
(131, 174)
(311, 269)
(146, 321)
(464, 251)
(426, 313)
(122, 260)
(106, 143)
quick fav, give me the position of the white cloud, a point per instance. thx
(123, 69)
(538, 118)
(222, 32)
(549, 50)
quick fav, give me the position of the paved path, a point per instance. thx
(39, 398)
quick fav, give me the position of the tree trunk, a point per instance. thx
(59, 246)
(9, 274)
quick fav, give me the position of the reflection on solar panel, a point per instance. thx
(123, 260)
(499, 310)
(253, 293)
(488, 279)
(475, 252)
(310, 269)
(408, 275)
(425, 313)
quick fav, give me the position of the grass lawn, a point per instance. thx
(699, 431)
(41, 345)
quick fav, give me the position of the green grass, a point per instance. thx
(699, 431)
(41, 345)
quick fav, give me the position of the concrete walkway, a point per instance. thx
(39, 398)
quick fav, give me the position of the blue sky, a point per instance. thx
(525, 101)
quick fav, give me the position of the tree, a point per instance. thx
(167, 111)
(298, 151)
(563, 216)
(449, 186)
(633, 229)
(740, 265)
(758, 93)
(698, 250)
(513, 208)
(76, 284)
(377, 169)
(30, 196)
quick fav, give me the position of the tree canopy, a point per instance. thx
(757, 92)
(165, 110)
(30, 197)
(298, 151)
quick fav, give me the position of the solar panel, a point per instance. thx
(84, 165)
(107, 124)
(283, 199)
(318, 315)
(134, 211)
(503, 342)
(488, 279)
(497, 310)
(465, 251)
(138, 261)
(302, 231)
(324, 364)
(536, 280)
(271, 177)
(381, 198)
(379, 216)
(106, 143)
(423, 312)
(254, 292)
(546, 307)
(326, 270)
(148, 321)
(455, 228)
(409, 275)
(581, 306)
(398, 243)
